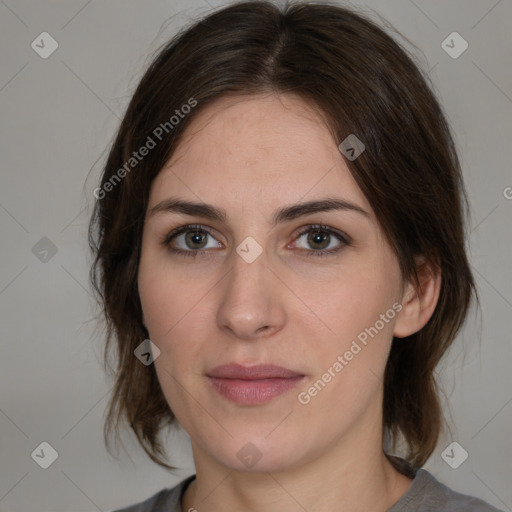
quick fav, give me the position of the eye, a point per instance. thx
(321, 238)
(190, 240)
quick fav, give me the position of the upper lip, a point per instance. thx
(260, 371)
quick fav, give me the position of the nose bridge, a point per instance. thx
(249, 265)
(247, 279)
(249, 299)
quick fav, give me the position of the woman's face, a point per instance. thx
(251, 289)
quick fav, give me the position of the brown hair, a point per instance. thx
(361, 82)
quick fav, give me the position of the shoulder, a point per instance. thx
(166, 500)
(426, 493)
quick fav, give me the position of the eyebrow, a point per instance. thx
(287, 213)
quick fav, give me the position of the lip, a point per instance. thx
(252, 385)
(256, 372)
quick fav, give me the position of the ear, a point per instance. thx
(419, 302)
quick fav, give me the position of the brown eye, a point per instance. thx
(190, 241)
(321, 240)
(195, 239)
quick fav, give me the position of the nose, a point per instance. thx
(251, 301)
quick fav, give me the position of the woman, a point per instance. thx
(279, 243)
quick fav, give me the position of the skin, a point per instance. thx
(252, 155)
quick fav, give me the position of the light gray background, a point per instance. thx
(59, 114)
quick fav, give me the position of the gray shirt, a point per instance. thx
(425, 494)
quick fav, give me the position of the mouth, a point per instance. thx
(252, 385)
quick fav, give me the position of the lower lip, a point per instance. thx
(253, 392)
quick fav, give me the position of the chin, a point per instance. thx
(258, 454)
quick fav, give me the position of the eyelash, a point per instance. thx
(345, 241)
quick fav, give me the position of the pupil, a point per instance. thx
(196, 238)
(317, 237)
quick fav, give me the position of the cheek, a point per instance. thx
(349, 362)
(357, 300)
(360, 315)
(174, 315)
(169, 306)
(166, 299)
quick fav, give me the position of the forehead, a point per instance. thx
(272, 147)
(258, 124)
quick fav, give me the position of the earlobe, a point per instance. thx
(419, 302)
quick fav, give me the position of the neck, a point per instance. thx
(361, 481)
